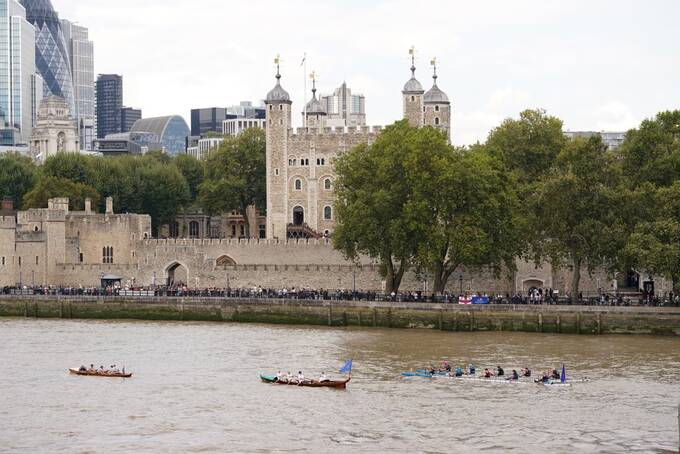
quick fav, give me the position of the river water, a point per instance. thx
(195, 389)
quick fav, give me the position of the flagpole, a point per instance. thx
(304, 97)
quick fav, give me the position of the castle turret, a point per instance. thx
(314, 115)
(278, 114)
(413, 96)
(437, 106)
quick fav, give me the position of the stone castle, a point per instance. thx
(300, 162)
(57, 246)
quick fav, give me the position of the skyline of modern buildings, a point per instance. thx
(128, 117)
(109, 96)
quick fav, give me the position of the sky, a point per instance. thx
(596, 64)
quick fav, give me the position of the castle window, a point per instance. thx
(323, 161)
(271, 107)
(80, 257)
(193, 229)
(36, 259)
(327, 184)
(107, 253)
(413, 98)
(436, 108)
(243, 231)
(263, 232)
(328, 213)
(318, 161)
(3, 261)
(19, 261)
(298, 185)
(290, 162)
(281, 107)
(436, 121)
(174, 229)
(276, 172)
(233, 230)
(146, 236)
(281, 122)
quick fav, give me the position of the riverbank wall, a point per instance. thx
(587, 320)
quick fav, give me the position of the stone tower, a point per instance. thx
(278, 116)
(315, 113)
(413, 97)
(437, 109)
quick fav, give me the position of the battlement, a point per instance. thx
(338, 130)
(8, 222)
(174, 242)
(41, 215)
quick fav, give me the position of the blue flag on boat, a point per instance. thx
(347, 368)
(563, 377)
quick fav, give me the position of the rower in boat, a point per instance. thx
(300, 378)
(459, 372)
(82, 369)
(544, 379)
(499, 371)
(555, 375)
(279, 376)
(471, 370)
(513, 376)
(323, 378)
(92, 369)
(487, 373)
(446, 367)
(526, 372)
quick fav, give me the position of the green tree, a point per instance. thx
(575, 210)
(472, 209)
(50, 187)
(654, 244)
(235, 175)
(162, 192)
(193, 171)
(71, 166)
(377, 213)
(651, 153)
(18, 175)
(528, 146)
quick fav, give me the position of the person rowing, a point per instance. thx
(323, 377)
(82, 368)
(488, 373)
(279, 376)
(459, 372)
(526, 372)
(513, 376)
(446, 366)
(544, 379)
(471, 369)
(432, 370)
(555, 375)
(300, 378)
(499, 371)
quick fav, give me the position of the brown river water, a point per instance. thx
(195, 389)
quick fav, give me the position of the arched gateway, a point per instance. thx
(176, 274)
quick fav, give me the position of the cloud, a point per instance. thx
(614, 116)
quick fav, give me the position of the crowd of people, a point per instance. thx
(533, 297)
(111, 370)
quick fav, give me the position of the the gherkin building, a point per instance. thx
(51, 52)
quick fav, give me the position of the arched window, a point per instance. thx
(413, 98)
(318, 161)
(290, 162)
(327, 184)
(281, 107)
(323, 161)
(193, 229)
(174, 229)
(328, 213)
(436, 108)
(271, 107)
(298, 185)
(436, 121)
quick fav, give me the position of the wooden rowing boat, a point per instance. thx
(76, 371)
(338, 384)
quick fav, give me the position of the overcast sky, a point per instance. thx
(597, 64)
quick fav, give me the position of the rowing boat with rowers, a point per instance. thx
(493, 379)
(76, 371)
(338, 384)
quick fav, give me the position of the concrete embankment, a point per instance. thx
(446, 317)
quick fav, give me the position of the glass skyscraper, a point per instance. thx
(81, 55)
(18, 81)
(51, 53)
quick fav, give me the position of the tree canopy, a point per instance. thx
(18, 175)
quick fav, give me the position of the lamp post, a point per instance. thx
(354, 284)
(21, 281)
(460, 280)
(32, 278)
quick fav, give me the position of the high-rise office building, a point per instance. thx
(128, 117)
(51, 52)
(344, 108)
(81, 55)
(20, 87)
(245, 109)
(208, 120)
(109, 95)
